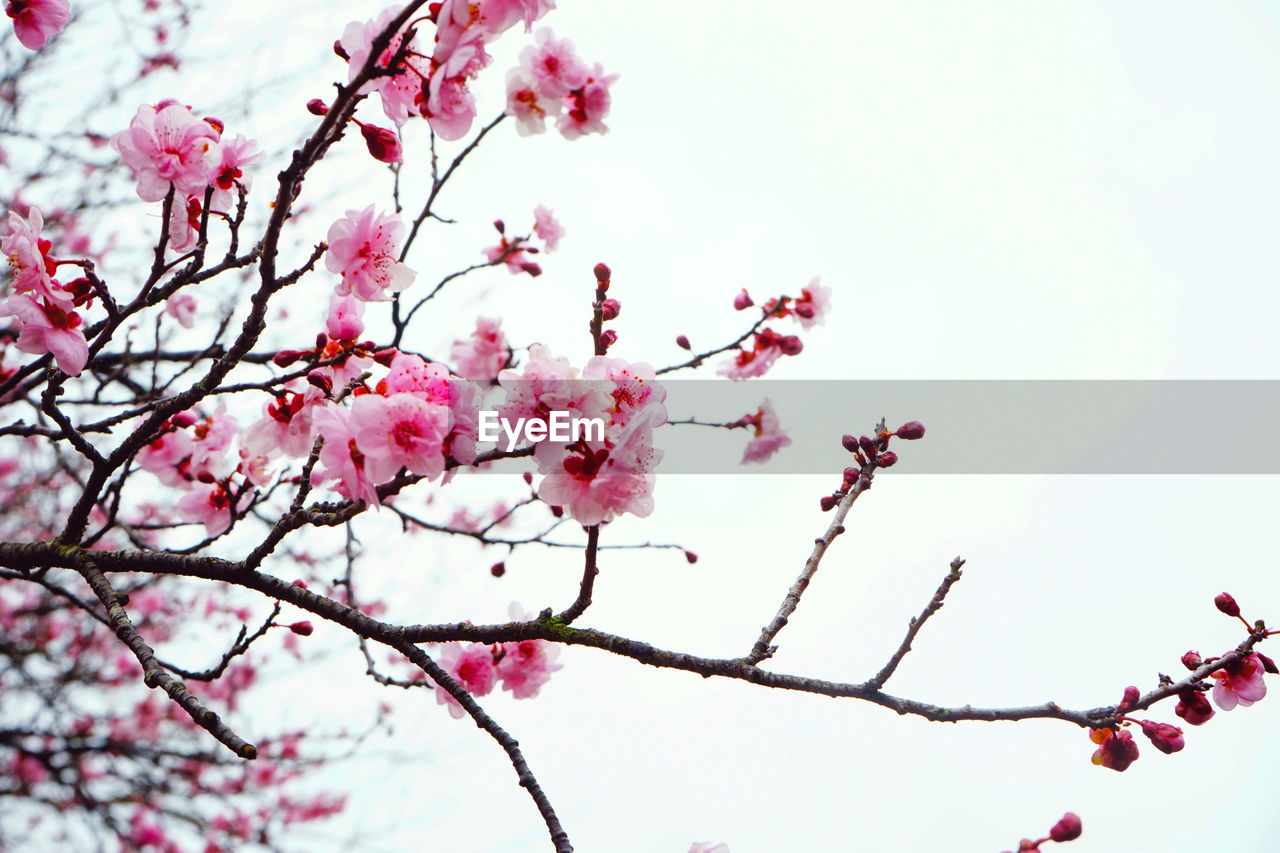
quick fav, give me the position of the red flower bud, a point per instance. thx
(386, 356)
(1116, 750)
(790, 345)
(183, 419)
(1067, 829)
(691, 557)
(742, 301)
(608, 338)
(300, 583)
(910, 431)
(610, 308)
(1193, 707)
(302, 629)
(1131, 696)
(528, 478)
(867, 445)
(683, 342)
(603, 273)
(338, 49)
(557, 511)
(317, 107)
(1166, 738)
(532, 269)
(1224, 602)
(499, 226)
(1268, 665)
(318, 379)
(498, 569)
(384, 144)
(849, 443)
(1192, 660)
(887, 459)
(827, 503)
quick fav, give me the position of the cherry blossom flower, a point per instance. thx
(472, 667)
(548, 383)
(526, 666)
(555, 67)
(482, 355)
(547, 228)
(401, 93)
(362, 248)
(184, 224)
(587, 106)
(634, 390)
(1116, 749)
(450, 107)
(166, 145)
(236, 155)
(181, 306)
(526, 104)
(597, 481)
(210, 504)
(1194, 707)
(496, 16)
(344, 323)
(813, 305)
(28, 254)
(513, 254)
(769, 438)
(340, 458)
(37, 21)
(400, 431)
(286, 424)
(1239, 683)
(165, 455)
(48, 328)
(409, 374)
(753, 362)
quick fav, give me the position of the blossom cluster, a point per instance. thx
(1068, 828)
(551, 81)
(44, 307)
(521, 667)
(767, 346)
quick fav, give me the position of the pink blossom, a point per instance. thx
(340, 459)
(167, 145)
(48, 328)
(483, 354)
(526, 665)
(547, 228)
(344, 323)
(813, 305)
(362, 249)
(555, 67)
(37, 21)
(184, 224)
(496, 16)
(400, 431)
(634, 390)
(182, 307)
(285, 425)
(401, 94)
(753, 362)
(450, 106)
(237, 155)
(210, 504)
(526, 105)
(1239, 683)
(596, 481)
(165, 455)
(28, 254)
(708, 847)
(586, 107)
(28, 769)
(769, 438)
(472, 667)
(409, 374)
(513, 254)
(547, 383)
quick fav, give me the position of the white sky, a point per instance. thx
(1003, 190)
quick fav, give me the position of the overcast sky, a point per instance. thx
(998, 191)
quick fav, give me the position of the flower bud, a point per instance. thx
(827, 503)
(532, 269)
(557, 511)
(691, 557)
(286, 357)
(1268, 664)
(1067, 829)
(790, 345)
(499, 226)
(386, 356)
(498, 569)
(319, 380)
(528, 478)
(1131, 696)
(1192, 660)
(183, 419)
(300, 583)
(804, 309)
(887, 459)
(317, 107)
(1116, 750)
(1224, 602)
(849, 443)
(867, 445)
(910, 431)
(608, 338)
(742, 301)
(383, 143)
(302, 629)
(1166, 738)
(602, 273)
(341, 51)
(1193, 707)
(851, 475)
(683, 342)
(610, 309)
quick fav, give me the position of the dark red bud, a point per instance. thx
(691, 557)
(849, 442)
(1268, 664)
(528, 478)
(1131, 696)
(1193, 707)
(1192, 660)
(317, 107)
(790, 345)
(183, 419)
(499, 226)
(386, 356)
(887, 459)
(286, 357)
(851, 475)
(302, 629)
(1067, 829)
(608, 338)
(610, 309)
(341, 51)
(805, 310)
(683, 342)
(206, 478)
(1166, 738)
(300, 583)
(557, 511)
(324, 383)
(498, 569)
(1224, 602)
(868, 446)
(827, 503)
(532, 269)
(383, 144)
(911, 430)
(603, 273)
(742, 301)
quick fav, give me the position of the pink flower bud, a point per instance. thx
(300, 583)
(887, 459)
(790, 345)
(603, 273)
(317, 107)
(528, 478)
(498, 569)
(386, 356)
(849, 443)
(319, 380)
(910, 431)
(1067, 829)
(302, 629)
(183, 419)
(867, 445)
(1224, 602)
(1131, 696)
(610, 309)
(1268, 664)
(384, 144)
(1116, 750)
(683, 342)
(608, 338)
(1192, 660)
(1166, 738)
(805, 310)
(742, 301)
(532, 269)
(499, 226)
(827, 503)
(691, 557)
(1193, 707)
